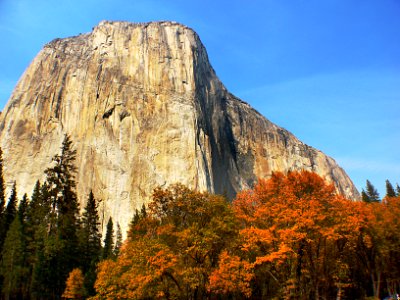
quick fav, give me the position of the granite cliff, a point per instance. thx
(144, 108)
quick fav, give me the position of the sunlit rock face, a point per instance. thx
(144, 108)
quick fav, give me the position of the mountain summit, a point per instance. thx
(144, 108)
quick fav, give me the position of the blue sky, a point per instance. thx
(328, 71)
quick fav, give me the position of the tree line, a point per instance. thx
(290, 237)
(42, 239)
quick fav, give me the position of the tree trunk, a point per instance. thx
(376, 284)
(339, 294)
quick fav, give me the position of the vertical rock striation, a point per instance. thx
(144, 109)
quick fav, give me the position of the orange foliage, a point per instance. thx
(74, 285)
(173, 250)
(297, 220)
(233, 276)
(142, 270)
(290, 237)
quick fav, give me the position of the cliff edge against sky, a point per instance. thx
(144, 108)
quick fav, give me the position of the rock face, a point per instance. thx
(144, 108)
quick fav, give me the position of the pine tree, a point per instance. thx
(143, 212)
(32, 212)
(11, 209)
(3, 231)
(364, 196)
(109, 240)
(23, 209)
(59, 232)
(139, 215)
(118, 241)
(39, 206)
(390, 192)
(397, 190)
(14, 267)
(136, 218)
(90, 242)
(2, 185)
(37, 228)
(371, 194)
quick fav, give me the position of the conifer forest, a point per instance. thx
(290, 237)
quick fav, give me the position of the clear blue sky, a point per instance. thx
(328, 71)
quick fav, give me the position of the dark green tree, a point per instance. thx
(39, 207)
(397, 190)
(136, 218)
(364, 196)
(58, 230)
(8, 215)
(134, 224)
(370, 194)
(108, 247)
(390, 192)
(2, 185)
(90, 242)
(35, 237)
(143, 212)
(14, 266)
(11, 209)
(23, 209)
(3, 231)
(118, 241)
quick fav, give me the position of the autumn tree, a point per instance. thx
(378, 247)
(296, 231)
(232, 277)
(173, 249)
(75, 288)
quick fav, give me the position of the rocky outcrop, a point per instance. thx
(144, 108)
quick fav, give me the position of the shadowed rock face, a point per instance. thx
(144, 108)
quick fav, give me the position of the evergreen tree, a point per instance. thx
(371, 194)
(136, 218)
(109, 240)
(2, 185)
(11, 209)
(118, 241)
(23, 209)
(3, 231)
(39, 207)
(139, 215)
(364, 196)
(397, 190)
(143, 212)
(58, 230)
(14, 267)
(390, 192)
(90, 242)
